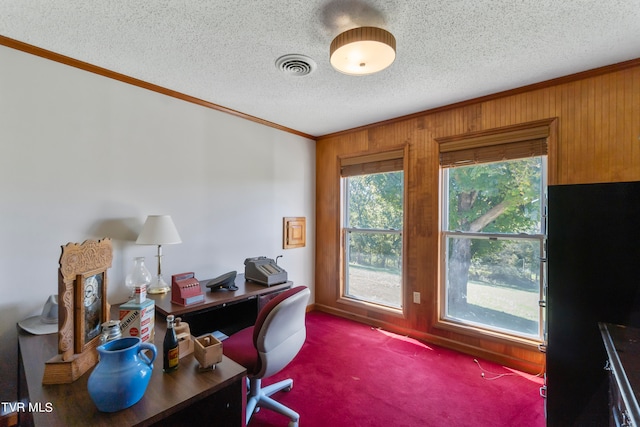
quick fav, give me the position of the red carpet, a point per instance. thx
(350, 374)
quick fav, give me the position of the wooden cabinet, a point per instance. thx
(593, 254)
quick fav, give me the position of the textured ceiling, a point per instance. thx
(224, 52)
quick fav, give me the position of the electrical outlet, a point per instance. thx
(416, 297)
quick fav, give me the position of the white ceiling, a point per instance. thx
(224, 52)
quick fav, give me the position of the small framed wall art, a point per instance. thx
(294, 232)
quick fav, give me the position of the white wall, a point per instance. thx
(85, 157)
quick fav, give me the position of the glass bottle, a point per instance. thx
(170, 352)
(138, 279)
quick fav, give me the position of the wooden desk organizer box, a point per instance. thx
(207, 350)
(183, 333)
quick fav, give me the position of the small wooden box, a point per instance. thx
(185, 345)
(207, 353)
(183, 333)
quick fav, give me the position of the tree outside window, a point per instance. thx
(493, 242)
(373, 223)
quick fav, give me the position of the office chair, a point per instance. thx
(268, 346)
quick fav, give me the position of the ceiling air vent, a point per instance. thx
(296, 65)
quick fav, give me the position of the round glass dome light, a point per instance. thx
(364, 50)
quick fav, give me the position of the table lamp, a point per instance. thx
(159, 230)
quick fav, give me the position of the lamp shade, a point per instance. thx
(364, 50)
(158, 230)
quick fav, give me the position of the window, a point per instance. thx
(493, 204)
(373, 210)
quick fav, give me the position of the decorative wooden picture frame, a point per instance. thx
(82, 278)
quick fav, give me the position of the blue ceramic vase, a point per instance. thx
(122, 375)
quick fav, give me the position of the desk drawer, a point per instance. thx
(223, 408)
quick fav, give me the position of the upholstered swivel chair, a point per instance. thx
(268, 346)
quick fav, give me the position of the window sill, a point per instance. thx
(367, 305)
(478, 332)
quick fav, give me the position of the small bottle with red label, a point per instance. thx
(170, 350)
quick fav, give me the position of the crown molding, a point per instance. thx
(34, 50)
(47, 54)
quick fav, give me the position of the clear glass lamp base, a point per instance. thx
(159, 286)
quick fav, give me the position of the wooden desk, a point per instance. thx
(184, 397)
(227, 311)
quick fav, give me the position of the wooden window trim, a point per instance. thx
(505, 143)
(390, 159)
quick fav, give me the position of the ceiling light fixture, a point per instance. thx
(364, 50)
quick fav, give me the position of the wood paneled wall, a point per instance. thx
(597, 140)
